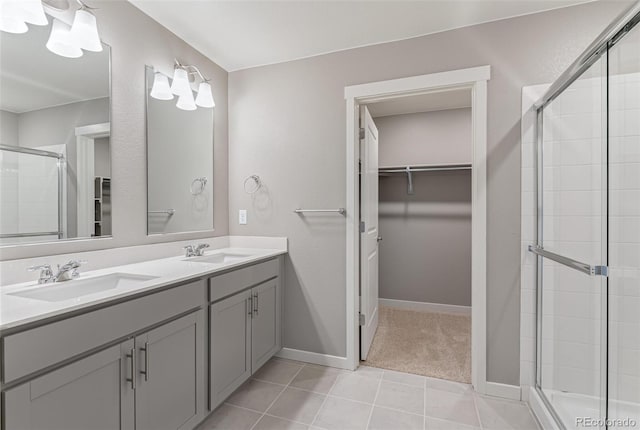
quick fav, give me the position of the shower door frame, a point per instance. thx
(596, 50)
(60, 158)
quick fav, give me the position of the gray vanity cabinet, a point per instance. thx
(244, 325)
(265, 323)
(230, 345)
(93, 393)
(170, 372)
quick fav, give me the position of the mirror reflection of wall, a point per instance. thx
(54, 137)
(180, 166)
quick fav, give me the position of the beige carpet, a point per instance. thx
(424, 343)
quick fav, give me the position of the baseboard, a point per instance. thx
(426, 307)
(314, 358)
(540, 411)
(505, 391)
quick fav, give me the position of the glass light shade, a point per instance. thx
(11, 25)
(161, 89)
(85, 31)
(32, 11)
(186, 102)
(205, 98)
(61, 42)
(180, 85)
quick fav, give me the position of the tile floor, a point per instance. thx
(289, 395)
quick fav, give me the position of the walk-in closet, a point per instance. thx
(424, 215)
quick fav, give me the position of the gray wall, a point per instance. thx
(136, 40)
(287, 124)
(425, 255)
(8, 128)
(439, 137)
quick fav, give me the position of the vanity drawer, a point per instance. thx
(31, 350)
(233, 282)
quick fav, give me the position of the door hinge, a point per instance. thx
(601, 270)
(361, 319)
(361, 134)
(361, 226)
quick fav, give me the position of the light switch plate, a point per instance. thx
(242, 216)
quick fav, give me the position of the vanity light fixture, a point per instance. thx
(181, 87)
(16, 14)
(65, 40)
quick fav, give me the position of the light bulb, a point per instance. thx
(185, 102)
(180, 85)
(205, 98)
(84, 31)
(161, 89)
(60, 41)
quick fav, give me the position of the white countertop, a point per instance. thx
(16, 311)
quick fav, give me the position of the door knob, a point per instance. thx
(379, 239)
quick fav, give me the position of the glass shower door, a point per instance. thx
(572, 247)
(624, 231)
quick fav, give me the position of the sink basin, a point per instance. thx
(61, 291)
(218, 258)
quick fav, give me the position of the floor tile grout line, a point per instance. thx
(275, 400)
(374, 402)
(315, 418)
(477, 409)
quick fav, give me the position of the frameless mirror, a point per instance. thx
(179, 164)
(55, 163)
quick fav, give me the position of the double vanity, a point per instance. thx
(152, 345)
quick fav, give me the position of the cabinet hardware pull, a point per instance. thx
(255, 310)
(145, 372)
(250, 305)
(131, 356)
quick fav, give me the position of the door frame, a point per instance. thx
(474, 79)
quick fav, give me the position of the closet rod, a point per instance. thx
(424, 168)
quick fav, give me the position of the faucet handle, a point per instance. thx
(46, 273)
(42, 267)
(199, 249)
(189, 250)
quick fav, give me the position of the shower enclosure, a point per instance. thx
(31, 185)
(588, 235)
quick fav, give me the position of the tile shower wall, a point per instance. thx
(571, 358)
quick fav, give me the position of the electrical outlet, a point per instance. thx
(242, 216)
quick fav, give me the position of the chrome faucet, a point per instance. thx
(195, 250)
(66, 272)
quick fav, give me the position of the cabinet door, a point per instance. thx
(230, 345)
(265, 324)
(90, 394)
(170, 369)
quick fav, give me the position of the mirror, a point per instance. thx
(179, 165)
(55, 163)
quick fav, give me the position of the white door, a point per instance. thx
(369, 234)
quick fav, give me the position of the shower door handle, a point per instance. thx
(570, 262)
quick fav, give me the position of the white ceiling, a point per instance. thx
(43, 79)
(242, 34)
(428, 102)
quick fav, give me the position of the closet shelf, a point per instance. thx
(409, 170)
